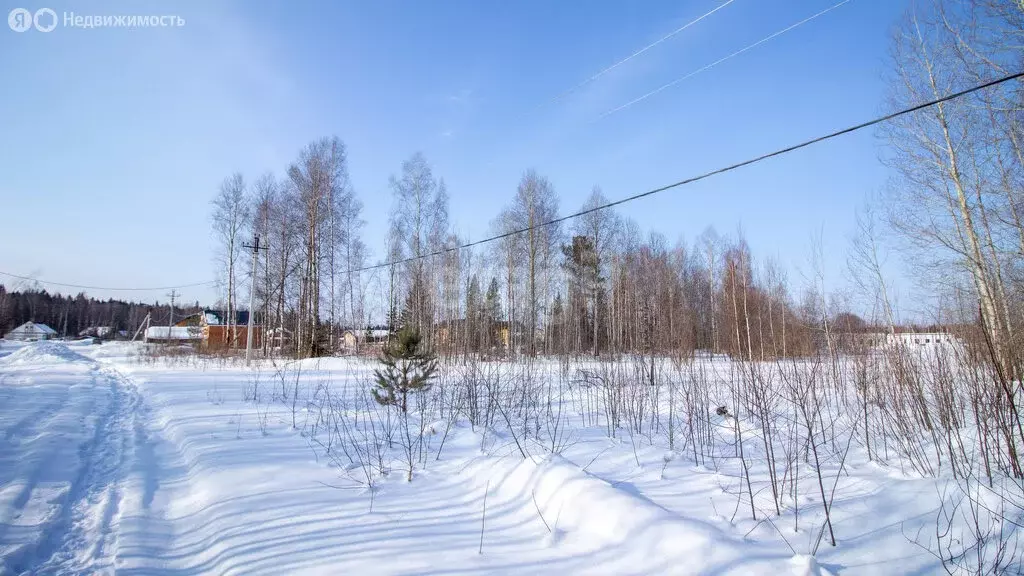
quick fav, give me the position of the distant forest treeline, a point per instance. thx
(70, 315)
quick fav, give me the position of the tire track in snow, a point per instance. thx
(34, 421)
(31, 426)
(39, 459)
(145, 536)
(84, 537)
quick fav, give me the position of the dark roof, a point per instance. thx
(219, 317)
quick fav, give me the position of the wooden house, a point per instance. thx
(216, 333)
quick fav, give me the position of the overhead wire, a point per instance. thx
(118, 289)
(607, 205)
(557, 97)
(705, 175)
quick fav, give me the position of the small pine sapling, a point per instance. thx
(405, 368)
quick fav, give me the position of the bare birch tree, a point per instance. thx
(419, 222)
(534, 205)
(231, 214)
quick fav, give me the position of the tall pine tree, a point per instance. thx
(474, 314)
(492, 315)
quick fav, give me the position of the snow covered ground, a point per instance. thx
(114, 463)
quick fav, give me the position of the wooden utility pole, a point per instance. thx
(255, 247)
(173, 294)
(142, 325)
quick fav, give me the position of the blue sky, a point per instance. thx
(113, 141)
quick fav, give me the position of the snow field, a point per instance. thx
(60, 461)
(112, 463)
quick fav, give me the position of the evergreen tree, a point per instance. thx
(492, 313)
(474, 314)
(417, 313)
(583, 266)
(406, 367)
(556, 327)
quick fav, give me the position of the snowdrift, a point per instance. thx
(579, 506)
(43, 353)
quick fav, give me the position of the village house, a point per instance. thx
(908, 339)
(353, 339)
(215, 333)
(913, 339)
(278, 338)
(184, 335)
(451, 333)
(31, 332)
(97, 331)
(207, 330)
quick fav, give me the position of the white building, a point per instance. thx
(350, 338)
(173, 335)
(97, 331)
(30, 332)
(920, 340)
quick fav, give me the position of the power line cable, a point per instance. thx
(690, 180)
(705, 175)
(84, 287)
(720, 60)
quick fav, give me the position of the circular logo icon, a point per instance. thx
(45, 20)
(20, 19)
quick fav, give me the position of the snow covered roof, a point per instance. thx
(31, 329)
(171, 333)
(373, 333)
